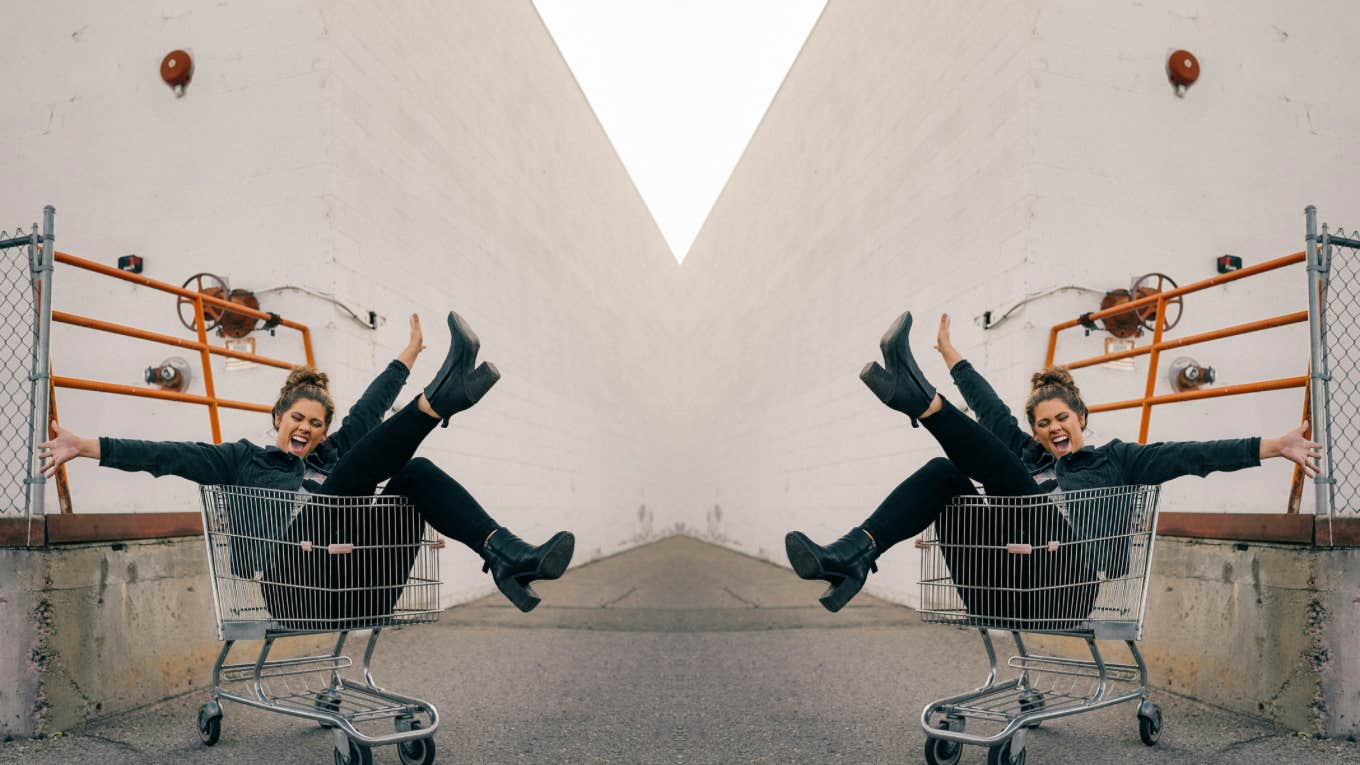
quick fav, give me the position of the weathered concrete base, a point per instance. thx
(1268, 630)
(90, 630)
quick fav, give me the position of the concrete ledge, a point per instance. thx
(1268, 630)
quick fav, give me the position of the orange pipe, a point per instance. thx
(1212, 281)
(100, 268)
(200, 324)
(307, 346)
(165, 395)
(1159, 323)
(1217, 334)
(142, 334)
(1192, 395)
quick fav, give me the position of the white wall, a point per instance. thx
(417, 157)
(961, 156)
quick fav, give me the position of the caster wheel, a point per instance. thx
(1002, 754)
(209, 723)
(1031, 701)
(328, 701)
(417, 752)
(358, 755)
(942, 752)
(1149, 723)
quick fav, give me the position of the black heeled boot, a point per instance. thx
(514, 563)
(458, 386)
(845, 563)
(901, 385)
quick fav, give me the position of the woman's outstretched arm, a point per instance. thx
(368, 411)
(199, 462)
(1155, 463)
(992, 413)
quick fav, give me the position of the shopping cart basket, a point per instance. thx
(288, 563)
(1070, 563)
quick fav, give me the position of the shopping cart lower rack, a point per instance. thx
(1072, 564)
(288, 563)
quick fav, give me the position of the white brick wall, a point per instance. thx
(959, 156)
(417, 157)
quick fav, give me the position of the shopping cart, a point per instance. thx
(1073, 564)
(288, 563)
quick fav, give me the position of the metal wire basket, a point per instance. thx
(1069, 562)
(285, 562)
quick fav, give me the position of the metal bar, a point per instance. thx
(63, 482)
(17, 241)
(165, 395)
(206, 361)
(307, 346)
(1052, 347)
(1192, 395)
(41, 373)
(1159, 322)
(100, 268)
(1317, 354)
(156, 337)
(1341, 241)
(1297, 317)
(1212, 281)
(1297, 478)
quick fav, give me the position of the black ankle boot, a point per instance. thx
(514, 563)
(458, 386)
(845, 563)
(901, 385)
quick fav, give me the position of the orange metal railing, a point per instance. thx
(1155, 348)
(204, 348)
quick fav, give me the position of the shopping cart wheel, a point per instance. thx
(328, 701)
(1149, 723)
(210, 723)
(1031, 701)
(358, 755)
(1008, 752)
(940, 751)
(418, 752)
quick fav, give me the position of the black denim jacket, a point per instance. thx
(243, 463)
(1113, 464)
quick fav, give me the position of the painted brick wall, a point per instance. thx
(418, 157)
(960, 157)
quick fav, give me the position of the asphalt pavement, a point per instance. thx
(679, 652)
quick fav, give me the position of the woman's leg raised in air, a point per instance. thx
(514, 564)
(907, 511)
(391, 443)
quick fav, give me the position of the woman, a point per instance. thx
(1006, 460)
(364, 451)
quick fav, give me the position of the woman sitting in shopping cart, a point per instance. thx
(1006, 460)
(354, 459)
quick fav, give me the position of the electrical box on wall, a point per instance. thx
(1227, 263)
(130, 263)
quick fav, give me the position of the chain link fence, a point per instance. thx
(24, 299)
(1335, 266)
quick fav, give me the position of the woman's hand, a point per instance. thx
(1294, 447)
(65, 447)
(414, 346)
(944, 346)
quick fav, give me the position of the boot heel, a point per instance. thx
(522, 596)
(837, 595)
(558, 556)
(798, 547)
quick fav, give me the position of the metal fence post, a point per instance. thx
(1317, 276)
(42, 376)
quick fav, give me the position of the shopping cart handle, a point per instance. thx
(335, 549)
(1020, 548)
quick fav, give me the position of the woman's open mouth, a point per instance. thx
(1061, 444)
(297, 444)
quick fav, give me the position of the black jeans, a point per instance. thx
(311, 589)
(1042, 590)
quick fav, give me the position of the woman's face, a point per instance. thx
(301, 427)
(1057, 427)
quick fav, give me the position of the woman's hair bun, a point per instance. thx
(307, 376)
(1056, 376)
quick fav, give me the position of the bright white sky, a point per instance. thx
(679, 87)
